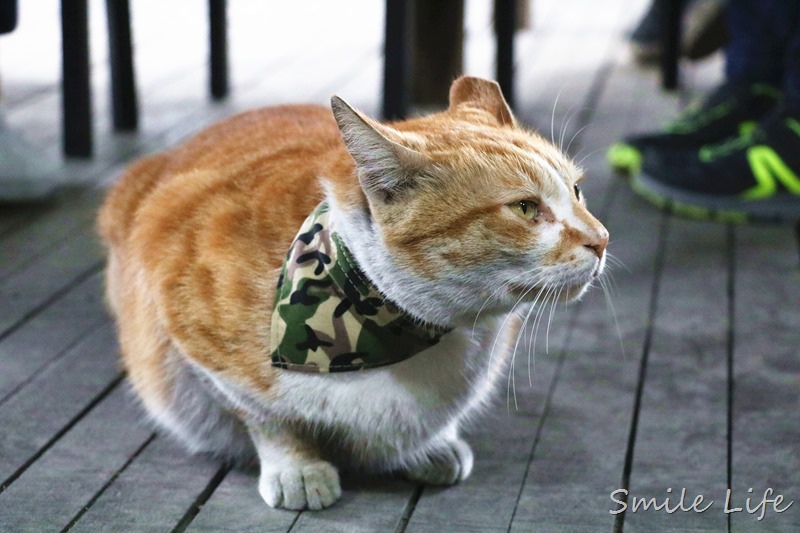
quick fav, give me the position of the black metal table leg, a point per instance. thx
(671, 40)
(505, 13)
(396, 60)
(123, 80)
(218, 48)
(8, 15)
(77, 95)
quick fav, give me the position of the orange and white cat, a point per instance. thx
(462, 219)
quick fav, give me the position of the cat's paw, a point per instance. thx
(304, 486)
(445, 465)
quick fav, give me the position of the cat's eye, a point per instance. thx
(527, 209)
(577, 191)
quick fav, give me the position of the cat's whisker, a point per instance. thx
(574, 137)
(553, 116)
(537, 317)
(532, 348)
(532, 341)
(565, 128)
(616, 261)
(610, 282)
(521, 332)
(565, 119)
(502, 287)
(584, 158)
(540, 313)
(511, 385)
(552, 297)
(551, 300)
(611, 308)
(501, 329)
(550, 319)
(497, 335)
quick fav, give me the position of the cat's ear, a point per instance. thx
(483, 94)
(385, 167)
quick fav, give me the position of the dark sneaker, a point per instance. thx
(728, 111)
(753, 177)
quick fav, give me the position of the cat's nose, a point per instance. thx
(597, 241)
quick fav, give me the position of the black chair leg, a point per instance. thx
(671, 42)
(76, 87)
(505, 13)
(123, 80)
(8, 15)
(396, 64)
(218, 48)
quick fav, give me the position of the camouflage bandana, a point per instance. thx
(328, 317)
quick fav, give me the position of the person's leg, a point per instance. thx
(703, 30)
(755, 176)
(791, 65)
(645, 39)
(755, 55)
(760, 33)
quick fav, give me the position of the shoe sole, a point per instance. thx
(717, 208)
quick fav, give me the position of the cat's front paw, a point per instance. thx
(304, 486)
(445, 465)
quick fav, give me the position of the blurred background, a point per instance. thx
(281, 52)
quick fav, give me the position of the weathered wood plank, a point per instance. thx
(681, 440)
(45, 337)
(766, 350)
(55, 488)
(19, 248)
(486, 500)
(236, 506)
(153, 493)
(14, 217)
(375, 504)
(54, 398)
(26, 291)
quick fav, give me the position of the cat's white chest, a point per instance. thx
(393, 410)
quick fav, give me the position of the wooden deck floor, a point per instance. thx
(699, 390)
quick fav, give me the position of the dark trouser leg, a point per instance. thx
(791, 79)
(760, 34)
